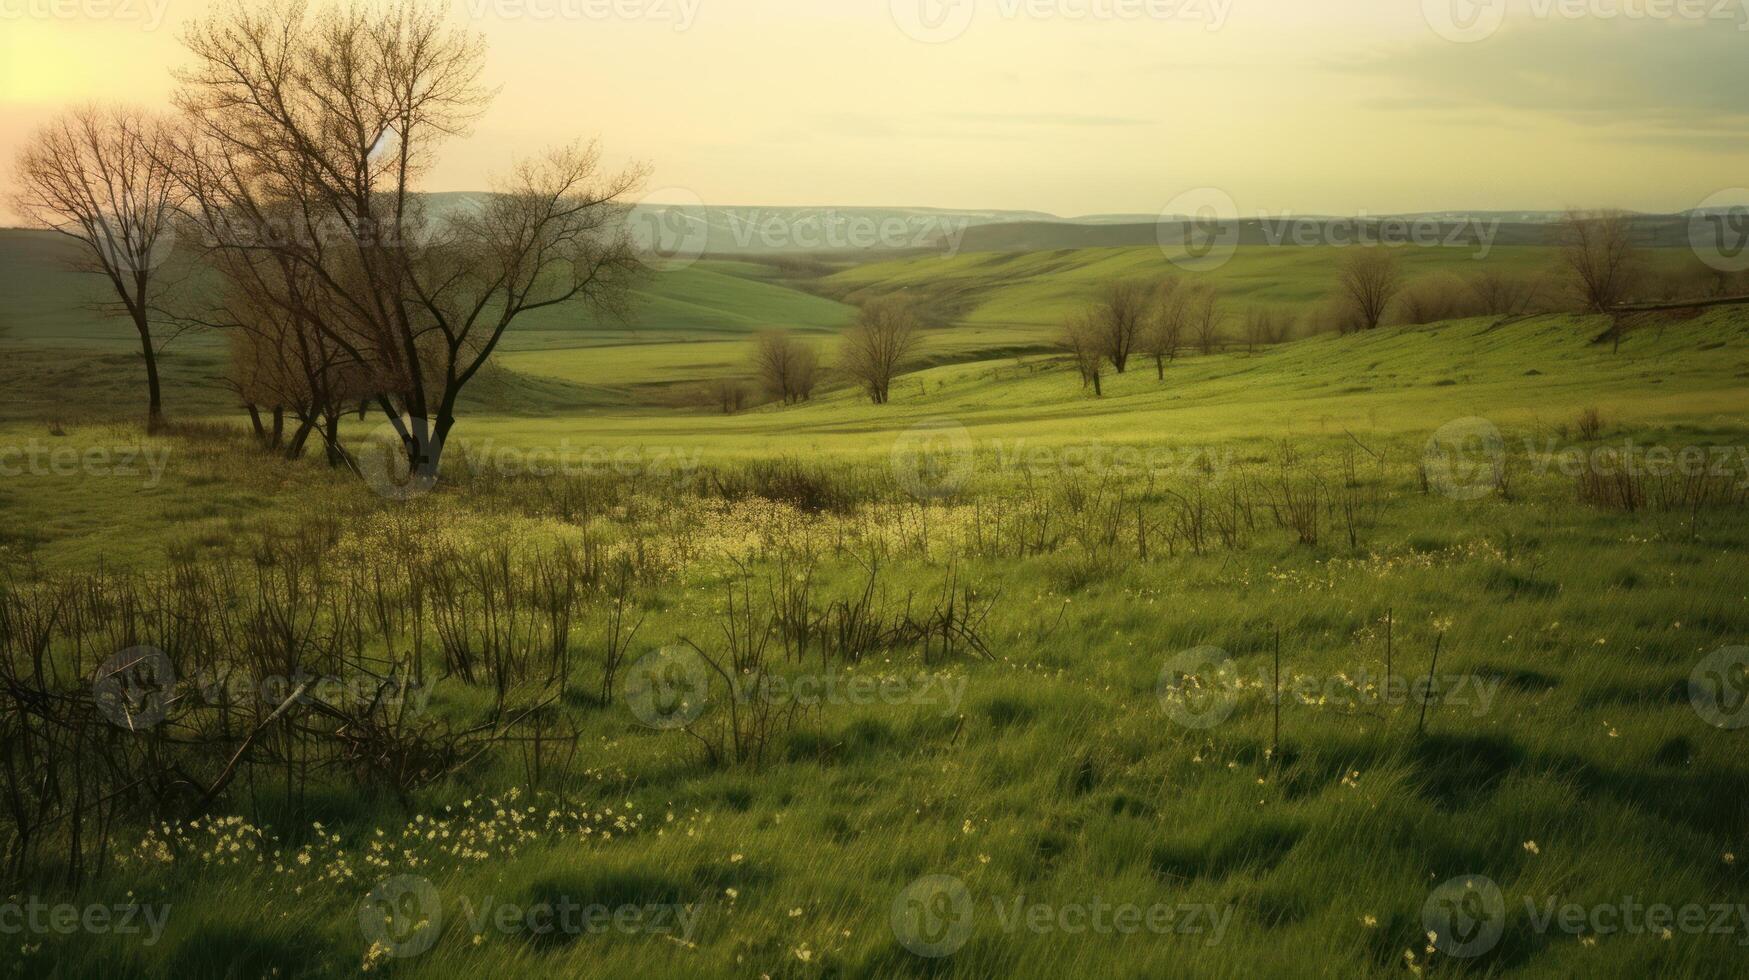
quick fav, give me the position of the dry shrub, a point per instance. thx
(1435, 299)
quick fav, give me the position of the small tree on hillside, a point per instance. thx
(728, 395)
(786, 367)
(1499, 294)
(1205, 318)
(1164, 335)
(98, 176)
(1369, 278)
(876, 348)
(1121, 315)
(1602, 263)
(1083, 338)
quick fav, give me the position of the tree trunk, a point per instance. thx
(255, 423)
(295, 448)
(1160, 366)
(1098, 392)
(332, 438)
(154, 391)
(278, 427)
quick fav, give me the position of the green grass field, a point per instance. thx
(1035, 788)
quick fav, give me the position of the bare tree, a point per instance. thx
(879, 344)
(97, 175)
(1083, 338)
(1264, 326)
(1121, 314)
(1205, 318)
(310, 131)
(728, 395)
(1500, 294)
(786, 367)
(1602, 263)
(1368, 277)
(1164, 335)
(1437, 298)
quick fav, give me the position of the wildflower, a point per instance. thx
(1531, 848)
(1370, 921)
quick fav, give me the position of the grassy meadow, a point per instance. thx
(1296, 656)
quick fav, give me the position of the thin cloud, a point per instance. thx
(1668, 83)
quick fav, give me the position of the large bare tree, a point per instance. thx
(97, 175)
(310, 131)
(1603, 264)
(1369, 278)
(876, 348)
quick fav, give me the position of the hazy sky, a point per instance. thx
(1068, 106)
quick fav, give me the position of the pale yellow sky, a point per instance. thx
(1069, 106)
